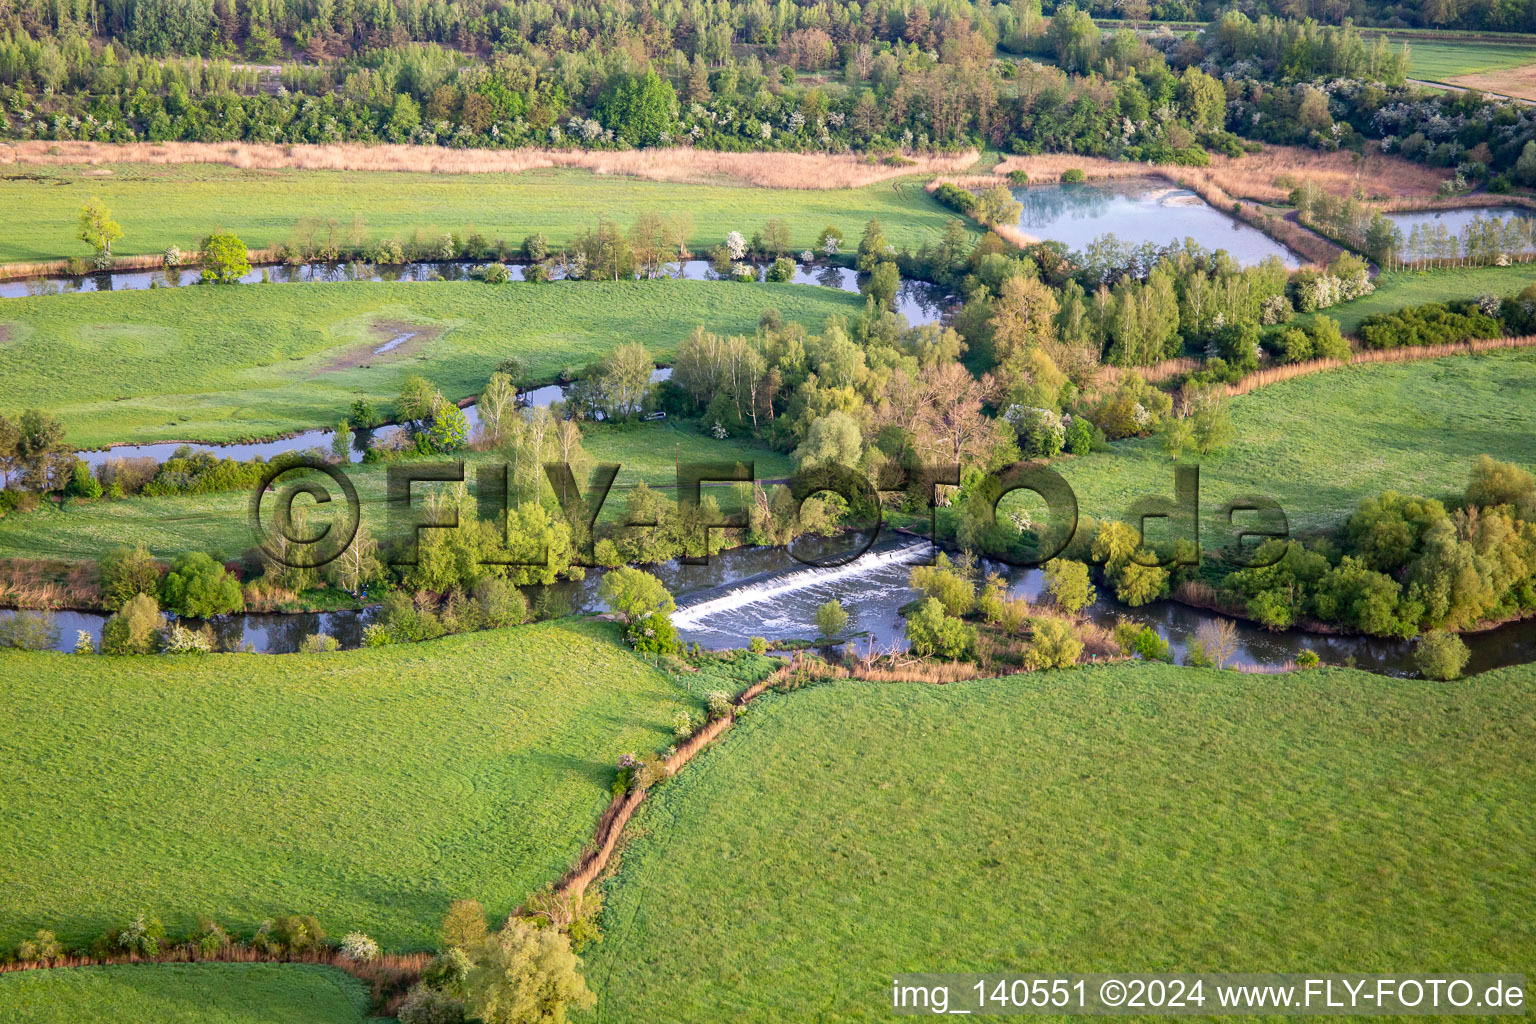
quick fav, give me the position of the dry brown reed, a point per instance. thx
(769, 170)
(47, 585)
(1276, 374)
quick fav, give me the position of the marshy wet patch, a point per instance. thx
(389, 341)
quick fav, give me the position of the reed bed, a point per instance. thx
(44, 585)
(1408, 204)
(145, 261)
(808, 171)
(1276, 374)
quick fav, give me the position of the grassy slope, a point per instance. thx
(1319, 444)
(1134, 818)
(369, 788)
(159, 206)
(219, 522)
(183, 994)
(1396, 290)
(255, 361)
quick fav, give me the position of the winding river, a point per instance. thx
(747, 592)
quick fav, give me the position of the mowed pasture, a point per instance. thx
(220, 522)
(1436, 61)
(180, 204)
(1319, 444)
(1128, 818)
(368, 788)
(204, 993)
(1397, 289)
(253, 361)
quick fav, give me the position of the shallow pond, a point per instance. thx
(1139, 210)
(1455, 220)
(766, 592)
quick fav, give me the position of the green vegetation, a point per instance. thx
(1131, 815)
(204, 993)
(40, 211)
(1397, 289)
(219, 522)
(1319, 444)
(219, 364)
(368, 789)
(1438, 61)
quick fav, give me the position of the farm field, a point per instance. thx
(219, 522)
(179, 204)
(1126, 818)
(368, 788)
(205, 993)
(1445, 61)
(1397, 289)
(191, 364)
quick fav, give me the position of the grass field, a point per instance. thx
(1134, 818)
(261, 360)
(180, 204)
(1319, 444)
(1444, 61)
(369, 788)
(219, 523)
(1397, 289)
(208, 993)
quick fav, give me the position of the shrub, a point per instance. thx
(224, 259)
(1440, 655)
(124, 572)
(179, 639)
(424, 1005)
(931, 632)
(140, 937)
(1018, 177)
(82, 484)
(42, 948)
(635, 594)
(135, 629)
(831, 619)
(526, 975)
(1494, 483)
(683, 724)
(1067, 583)
(717, 704)
(298, 933)
(446, 971)
(495, 273)
(1053, 644)
(958, 199)
(940, 580)
(1308, 659)
(463, 924)
(359, 947)
(653, 634)
(499, 603)
(758, 645)
(1141, 641)
(783, 269)
(200, 587)
(1073, 176)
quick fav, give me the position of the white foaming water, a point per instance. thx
(691, 616)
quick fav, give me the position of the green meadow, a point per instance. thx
(219, 522)
(1436, 61)
(1319, 444)
(204, 993)
(368, 788)
(223, 364)
(1397, 289)
(180, 204)
(1128, 818)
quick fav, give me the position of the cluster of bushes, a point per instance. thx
(491, 603)
(1433, 323)
(1319, 339)
(144, 936)
(958, 620)
(1403, 565)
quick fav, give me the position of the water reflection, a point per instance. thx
(1138, 211)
